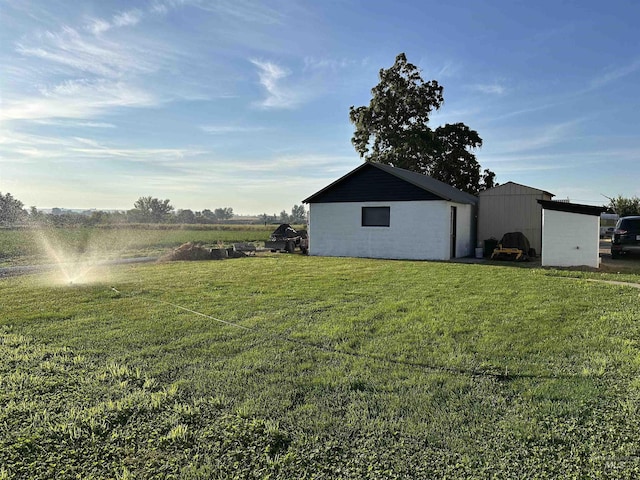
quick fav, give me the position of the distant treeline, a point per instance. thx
(146, 211)
(134, 219)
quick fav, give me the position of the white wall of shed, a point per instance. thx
(418, 230)
(511, 208)
(570, 239)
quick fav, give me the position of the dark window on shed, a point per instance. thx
(376, 216)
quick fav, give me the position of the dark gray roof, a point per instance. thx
(444, 190)
(424, 182)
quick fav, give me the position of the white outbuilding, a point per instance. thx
(570, 234)
(380, 211)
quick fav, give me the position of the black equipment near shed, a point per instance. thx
(513, 246)
(285, 239)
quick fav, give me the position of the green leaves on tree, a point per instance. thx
(394, 129)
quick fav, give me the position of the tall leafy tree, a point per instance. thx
(394, 129)
(225, 213)
(11, 209)
(284, 217)
(150, 209)
(298, 214)
(208, 216)
(185, 216)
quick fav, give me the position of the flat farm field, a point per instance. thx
(287, 366)
(31, 246)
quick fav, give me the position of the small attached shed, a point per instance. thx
(511, 207)
(570, 234)
(380, 211)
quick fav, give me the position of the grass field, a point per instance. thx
(326, 368)
(30, 246)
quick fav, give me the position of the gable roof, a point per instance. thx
(435, 188)
(510, 183)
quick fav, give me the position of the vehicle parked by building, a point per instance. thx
(626, 237)
(285, 239)
(606, 232)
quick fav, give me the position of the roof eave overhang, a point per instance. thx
(572, 207)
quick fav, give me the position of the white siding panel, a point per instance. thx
(570, 239)
(418, 230)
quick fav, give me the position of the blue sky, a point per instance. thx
(244, 104)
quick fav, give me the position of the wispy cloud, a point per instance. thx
(97, 56)
(613, 74)
(520, 166)
(250, 11)
(567, 162)
(97, 26)
(489, 88)
(87, 148)
(145, 155)
(523, 111)
(543, 137)
(159, 8)
(327, 164)
(77, 99)
(225, 129)
(449, 69)
(312, 63)
(438, 71)
(15, 146)
(128, 18)
(246, 11)
(74, 124)
(278, 96)
(93, 71)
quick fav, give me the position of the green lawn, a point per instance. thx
(325, 368)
